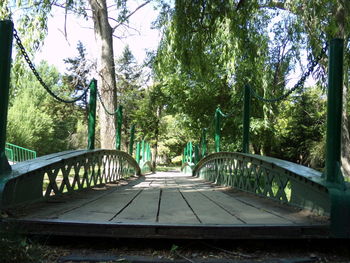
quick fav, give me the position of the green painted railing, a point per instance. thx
(9, 153)
(17, 154)
(64, 172)
(280, 180)
(144, 156)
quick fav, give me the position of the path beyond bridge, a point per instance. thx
(166, 205)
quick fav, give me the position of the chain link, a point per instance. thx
(104, 106)
(38, 77)
(311, 65)
(225, 115)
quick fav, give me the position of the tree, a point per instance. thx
(129, 75)
(78, 78)
(149, 115)
(205, 41)
(33, 23)
(301, 128)
(37, 121)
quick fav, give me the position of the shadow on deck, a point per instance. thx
(166, 205)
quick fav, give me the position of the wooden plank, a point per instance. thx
(248, 213)
(250, 210)
(207, 211)
(174, 209)
(290, 214)
(144, 208)
(61, 204)
(102, 209)
(65, 203)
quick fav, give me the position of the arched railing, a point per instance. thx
(64, 172)
(269, 177)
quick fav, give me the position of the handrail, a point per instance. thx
(147, 167)
(187, 167)
(64, 172)
(269, 177)
(19, 154)
(9, 154)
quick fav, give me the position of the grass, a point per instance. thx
(15, 248)
(166, 168)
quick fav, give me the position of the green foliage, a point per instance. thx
(78, 77)
(301, 128)
(14, 249)
(36, 121)
(172, 139)
(211, 49)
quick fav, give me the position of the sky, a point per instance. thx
(57, 47)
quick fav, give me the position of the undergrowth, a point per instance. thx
(16, 248)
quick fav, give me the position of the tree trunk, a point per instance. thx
(106, 71)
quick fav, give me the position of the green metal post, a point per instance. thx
(146, 152)
(92, 115)
(138, 150)
(339, 194)
(204, 142)
(184, 156)
(143, 149)
(119, 127)
(132, 137)
(196, 154)
(246, 119)
(149, 154)
(190, 152)
(334, 111)
(6, 38)
(217, 130)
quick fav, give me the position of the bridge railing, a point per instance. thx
(17, 154)
(280, 180)
(144, 156)
(60, 173)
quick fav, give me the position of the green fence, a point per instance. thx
(17, 154)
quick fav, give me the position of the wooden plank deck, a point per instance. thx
(167, 205)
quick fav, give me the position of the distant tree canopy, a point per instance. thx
(209, 51)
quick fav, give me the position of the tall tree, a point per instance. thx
(79, 75)
(211, 39)
(33, 21)
(129, 79)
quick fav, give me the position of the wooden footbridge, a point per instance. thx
(161, 205)
(223, 195)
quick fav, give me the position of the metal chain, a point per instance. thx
(311, 65)
(36, 74)
(225, 115)
(104, 106)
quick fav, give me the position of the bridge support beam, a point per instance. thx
(6, 39)
(339, 194)
(92, 115)
(246, 119)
